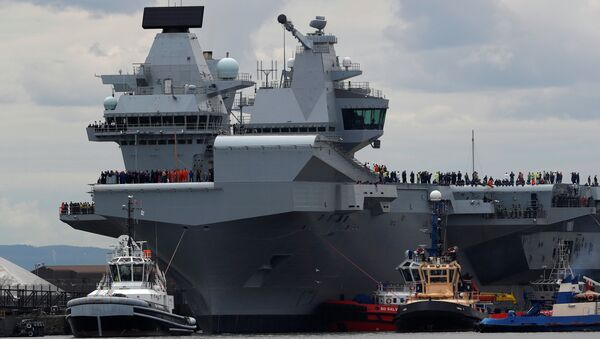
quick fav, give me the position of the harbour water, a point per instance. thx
(453, 335)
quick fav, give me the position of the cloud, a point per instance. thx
(471, 45)
(525, 79)
(433, 24)
(103, 7)
(26, 218)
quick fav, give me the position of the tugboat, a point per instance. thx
(576, 304)
(373, 313)
(445, 302)
(131, 299)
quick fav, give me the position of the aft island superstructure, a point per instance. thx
(278, 215)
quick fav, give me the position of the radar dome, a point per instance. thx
(110, 103)
(227, 68)
(318, 23)
(290, 63)
(346, 62)
(435, 195)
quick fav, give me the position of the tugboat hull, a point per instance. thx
(123, 317)
(436, 316)
(351, 316)
(541, 324)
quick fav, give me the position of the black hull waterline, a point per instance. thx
(123, 317)
(436, 316)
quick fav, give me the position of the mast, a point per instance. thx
(129, 224)
(473, 150)
(437, 212)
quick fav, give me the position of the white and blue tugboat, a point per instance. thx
(131, 299)
(576, 308)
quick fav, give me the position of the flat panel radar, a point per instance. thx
(173, 19)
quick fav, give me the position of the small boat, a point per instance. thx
(576, 304)
(373, 313)
(446, 300)
(446, 303)
(131, 299)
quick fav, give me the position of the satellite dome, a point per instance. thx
(435, 195)
(346, 62)
(290, 63)
(110, 103)
(227, 68)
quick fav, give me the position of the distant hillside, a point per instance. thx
(27, 256)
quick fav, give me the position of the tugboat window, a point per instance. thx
(138, 272)
(114, 273)
(363, 118)
(125, 271)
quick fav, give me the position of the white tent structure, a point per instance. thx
(14, 276)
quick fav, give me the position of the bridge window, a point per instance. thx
(125, 271)
(191, 119)
(114, 272)
(138, 271)
(363, 118)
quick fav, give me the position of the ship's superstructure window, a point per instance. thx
(125, 272)
(373, 118)
(168, 86)
(138, 272)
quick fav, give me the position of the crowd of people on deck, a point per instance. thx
(154, 176)
(69, 208)
(474, 179)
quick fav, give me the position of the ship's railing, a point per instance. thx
(518, 212)
(176, 90)
(395, 287)
(141, 69)
(572, 201)
(105, 127)
(154, 177)
(108, 284)
(270, 84)
(244, 77)
(360, 87)
(30, 297)
(355, 66)
(76, 208)
(244, 101)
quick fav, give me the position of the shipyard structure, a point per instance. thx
(276, 215)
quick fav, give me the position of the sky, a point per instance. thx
(523, 74)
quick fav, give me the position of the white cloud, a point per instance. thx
(26, 223)
(525, 79)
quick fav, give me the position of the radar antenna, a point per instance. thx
(260, 71)
(289, 26)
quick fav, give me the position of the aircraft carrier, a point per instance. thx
(279, 215)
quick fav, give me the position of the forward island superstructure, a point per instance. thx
(274, 214)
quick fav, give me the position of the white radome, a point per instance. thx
(110, 103)
(347, 62)
(227, 68)
(435, 196)
(290, 62)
